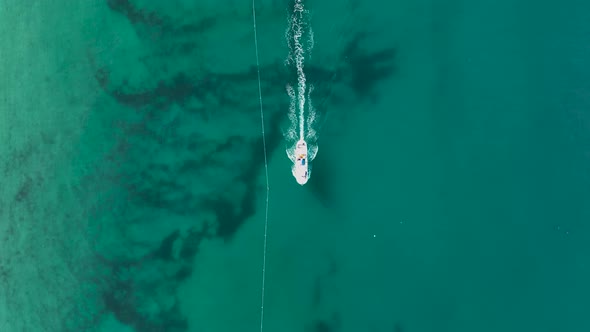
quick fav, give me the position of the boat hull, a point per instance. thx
(301, 166)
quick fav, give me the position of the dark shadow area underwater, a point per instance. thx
(149, 180)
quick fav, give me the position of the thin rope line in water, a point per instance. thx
(265, 167)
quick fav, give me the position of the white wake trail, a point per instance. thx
(298, 24)
(292, 132)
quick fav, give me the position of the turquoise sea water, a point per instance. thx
(450, 191)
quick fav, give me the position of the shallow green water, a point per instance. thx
(449, 192)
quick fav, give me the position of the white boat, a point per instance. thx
(301, 167)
